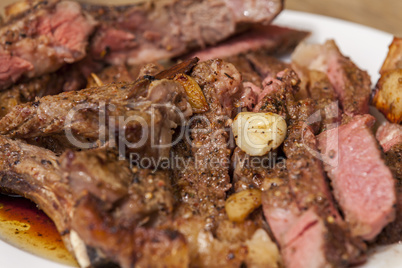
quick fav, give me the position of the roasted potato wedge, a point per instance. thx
(394, 57)
(388, 96)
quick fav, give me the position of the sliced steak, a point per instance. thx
(255, 67)
(352, 85)
(301, 211)
(46, 36)
(393, 160)
(165, 29)
(106, 205)
(277, 91)
(23, 92)
(392, 233)
(265, 64)
(124, 205)
(319, 220)
(117, 113)
(388, 135)
(297, 202)
(272, 39)
(244, 66)
(321, 90)
(209, 138)
(363, 185)
(256, 171)
(202, 179)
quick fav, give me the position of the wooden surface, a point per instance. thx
(384, 15)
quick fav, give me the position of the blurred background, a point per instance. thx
(385, 15)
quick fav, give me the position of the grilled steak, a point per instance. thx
(388, 135)
(136, 209)
(165, 29)
(296, 201)
(93, 114)
(44, 37)
(125, 205)
(256, 171)
(321, 90)
(34, 173)
(264, 64)
(73, 205)
(255, 67)
(220, 81)
(317, 227)
(134, 34)
(352, 85)
(363, 185)
(392, 232)
(203, 182)
(23, 92)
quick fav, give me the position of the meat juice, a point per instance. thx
(28, 228)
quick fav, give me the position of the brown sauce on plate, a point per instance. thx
(26, 227)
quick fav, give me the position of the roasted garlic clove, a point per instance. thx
(239, 205)
(195, 95)
(258, 133)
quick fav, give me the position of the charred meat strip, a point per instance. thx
(276, 95)
(46, 36)
(392, 232)
(122, 73)
(220, 82)
(363, 185)
(80, 115)
(202, 184)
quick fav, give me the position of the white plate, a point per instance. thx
(367, 47)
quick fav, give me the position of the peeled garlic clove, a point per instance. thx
(258, 133)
